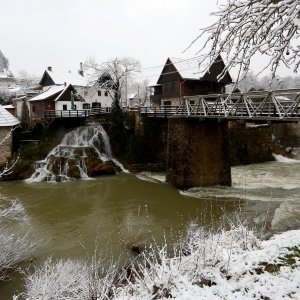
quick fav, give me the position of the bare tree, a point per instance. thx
(113, 75)
(247, 27)
(4, 64)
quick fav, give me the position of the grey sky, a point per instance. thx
(61, 33)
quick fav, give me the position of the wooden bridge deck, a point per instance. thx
(281, 105)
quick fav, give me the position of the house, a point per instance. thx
(7, 123)
(183, 78)
(94, 95)
(65, 92)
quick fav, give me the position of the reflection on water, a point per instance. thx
(121, 210)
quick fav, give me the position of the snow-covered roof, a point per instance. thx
(7, 119)
(9, 106)
(53, 90)
(68, 78)
(187, 68)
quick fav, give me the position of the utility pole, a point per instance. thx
(126, 90)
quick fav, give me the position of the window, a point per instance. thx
(168, 102)
(65, 107)
(106, 94)
(96, 104)
(192, 102)
(86, 106)
(173, 87)
(99, 93)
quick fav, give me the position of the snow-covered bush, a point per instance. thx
(71, 280)
(11, 210)
(224, 264)
(15, 247)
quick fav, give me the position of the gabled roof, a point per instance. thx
(7, 119)
(52, 91)
(190, 69)
(68, 87)
(62, 78)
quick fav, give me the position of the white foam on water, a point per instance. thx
(283, 159)
(287, 215)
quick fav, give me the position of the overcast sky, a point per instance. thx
(61, 33)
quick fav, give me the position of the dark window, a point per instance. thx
(192, 102)
(65, 107)
(106, 94)
(33, 108)
(99, 93)
(167, 103)
(86, 106)
(96, 104)
(173, 87)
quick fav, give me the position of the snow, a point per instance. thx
(283, 159)
(187, 68)
(231, 264)
(53, 90)
(7, 119)
(68, 78)
(297, 22)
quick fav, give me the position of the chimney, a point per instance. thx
(80, 69)
(50, 69)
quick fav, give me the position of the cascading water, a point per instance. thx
(72, 153)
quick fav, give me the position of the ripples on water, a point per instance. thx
(275, 183)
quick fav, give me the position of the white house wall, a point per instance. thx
(60, 104)
(90, 95)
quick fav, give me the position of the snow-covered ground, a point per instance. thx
(231, 264)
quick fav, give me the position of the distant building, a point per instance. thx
(183, 78)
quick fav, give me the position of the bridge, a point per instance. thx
(280, 105)
(198, 136)
(195, 135)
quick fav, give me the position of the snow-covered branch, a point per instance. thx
(112, 75)
(247, 27)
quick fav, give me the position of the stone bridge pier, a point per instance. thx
(198, 153)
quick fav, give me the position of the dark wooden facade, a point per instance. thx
(46, 80)
(38, 108)
(172, 86)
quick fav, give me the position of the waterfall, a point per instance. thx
(72, 153)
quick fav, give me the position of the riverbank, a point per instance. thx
(230, 264)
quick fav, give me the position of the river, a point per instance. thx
(114, 212)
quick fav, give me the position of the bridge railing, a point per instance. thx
(159, 111)
(83, 113)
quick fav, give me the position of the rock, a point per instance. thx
(279, 150)
(101, 168)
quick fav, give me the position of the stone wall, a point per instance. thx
(287, 134)
(146, 143)
(6, 144)
(198, 153)
(249, 145)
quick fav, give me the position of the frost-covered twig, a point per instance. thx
(14, 249)
(247, 27)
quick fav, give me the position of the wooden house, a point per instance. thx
(183, 78)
